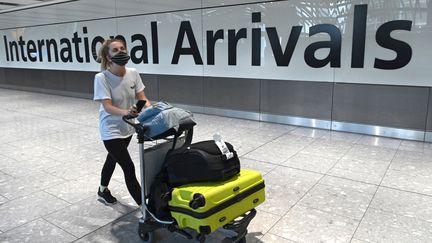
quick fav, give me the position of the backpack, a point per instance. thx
(201, 162)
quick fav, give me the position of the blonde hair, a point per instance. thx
(104, 52)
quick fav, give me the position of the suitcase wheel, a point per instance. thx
(147, 237)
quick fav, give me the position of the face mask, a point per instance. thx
(120, 58)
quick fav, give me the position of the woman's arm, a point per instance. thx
(141, 96)
(108, 106)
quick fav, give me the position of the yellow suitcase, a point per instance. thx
(205, 207)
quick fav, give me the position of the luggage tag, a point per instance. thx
(222, 146)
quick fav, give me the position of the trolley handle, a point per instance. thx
(135, 125)
(140, 129)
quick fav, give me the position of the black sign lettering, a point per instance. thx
(66, 52)
(155, 45)
(31, 49)
(40, 44)
(334, 45)
(139, 48)
(21, 43)
(186, 30)
(78, 47)
(283, 58)
(233, 38)
(256, 40)
(402, 49)
(211, 42)
(359, 36)
(97, 40)
(52, 43)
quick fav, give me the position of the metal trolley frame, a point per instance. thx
(151, 161)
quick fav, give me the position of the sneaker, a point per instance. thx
(106, 196)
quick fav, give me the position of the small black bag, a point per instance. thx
(159, 195)
(200, 162)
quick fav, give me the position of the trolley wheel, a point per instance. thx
(147, 237)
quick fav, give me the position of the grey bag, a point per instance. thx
(161, 117)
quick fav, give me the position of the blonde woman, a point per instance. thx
(117, 88)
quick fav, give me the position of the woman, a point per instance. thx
(117, 88)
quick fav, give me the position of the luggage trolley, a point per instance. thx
(151, 161)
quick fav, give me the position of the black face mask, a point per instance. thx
(120, 58)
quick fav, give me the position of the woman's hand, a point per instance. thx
(107, 104)
(141, 96)
(133, 112)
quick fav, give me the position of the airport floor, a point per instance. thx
(321, 186)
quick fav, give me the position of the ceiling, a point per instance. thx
(26, 13)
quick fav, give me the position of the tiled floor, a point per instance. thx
(321, 186)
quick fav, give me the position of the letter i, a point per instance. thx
(256, 40)
(86, 46)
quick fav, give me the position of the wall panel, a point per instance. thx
(232, 93)
(151, 83)
(181, 89)
(299, 99)
(381, 105)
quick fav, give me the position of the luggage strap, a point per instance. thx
(222, 146)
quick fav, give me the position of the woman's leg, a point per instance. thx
(107, 170)
(110, 163)
(117, 149)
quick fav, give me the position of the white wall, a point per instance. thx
(110, 17)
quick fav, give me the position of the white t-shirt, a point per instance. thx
(121, 91)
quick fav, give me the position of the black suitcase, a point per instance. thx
(198, 162)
